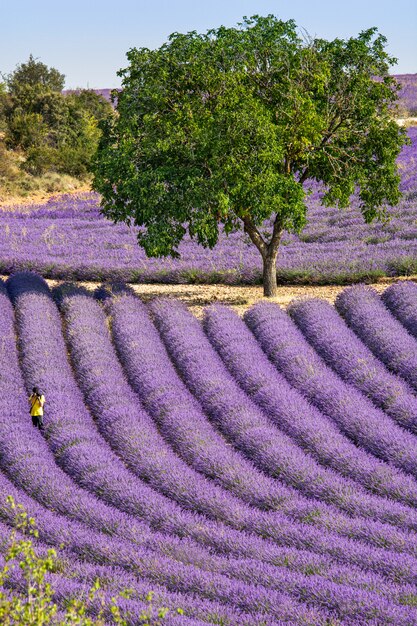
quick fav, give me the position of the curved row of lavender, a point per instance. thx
(365, 313)
(250, 430)
(68, 238)
(183, 424)
(401, 300)
(352, 412)
(150, 441)
(346, 552)
(340, 348)
(77, 446)
(288, 408)
(109, 402)
(91, 546)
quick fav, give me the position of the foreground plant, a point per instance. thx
(27, 598)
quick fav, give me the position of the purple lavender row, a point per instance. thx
(71, 432)
(300, 535)
(401, 300)
(241, 420)
(379, 612)
(66, 589)
(176, 412)
(342, 350)
(42, 478)
(256, 600)
(353, 413)
(131, 432)
(365, 313)
(98, 547)
(337, 601)
(56, 487)
(179, 416)
(156, 568)
(119, 579)
(83, 313)
(95, 549)
(291, 412)
(40, 331)
(25, 457)
(114, 579)
(90, 348)
(196, 610)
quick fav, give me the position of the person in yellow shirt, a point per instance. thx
(37, 401)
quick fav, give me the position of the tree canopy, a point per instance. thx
(226, 128)
(34, 73)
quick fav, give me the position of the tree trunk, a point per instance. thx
(270, 274)
(269, 252)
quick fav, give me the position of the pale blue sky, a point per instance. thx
(87, 40)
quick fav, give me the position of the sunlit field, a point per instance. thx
(67, 238)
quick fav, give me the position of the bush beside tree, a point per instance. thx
(52, 131)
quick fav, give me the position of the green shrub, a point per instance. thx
(35, 606)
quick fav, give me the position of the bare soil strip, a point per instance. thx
(240, 298)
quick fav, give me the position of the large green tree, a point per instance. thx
(226, 129)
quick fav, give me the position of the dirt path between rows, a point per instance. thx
(240, 298)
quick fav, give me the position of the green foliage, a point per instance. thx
(54, 131)
(91, 102)
(33, 604)
(25, 130)
(30, 78)
(8, 167)
(4, 105)
(225, 127)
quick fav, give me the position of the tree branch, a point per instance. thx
(276, 237)
(322, 144)
(255, 235)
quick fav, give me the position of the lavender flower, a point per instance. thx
(244, 424)
(353, 413)
(400, 298)
(289, 409)
(353, 361)
(366, 314)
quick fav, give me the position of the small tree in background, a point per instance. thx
(225, 128)
(33, 74)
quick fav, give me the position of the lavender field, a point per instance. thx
(256, 471)
(407, 94)
(67, 238)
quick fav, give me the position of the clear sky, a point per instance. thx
(87, 40)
